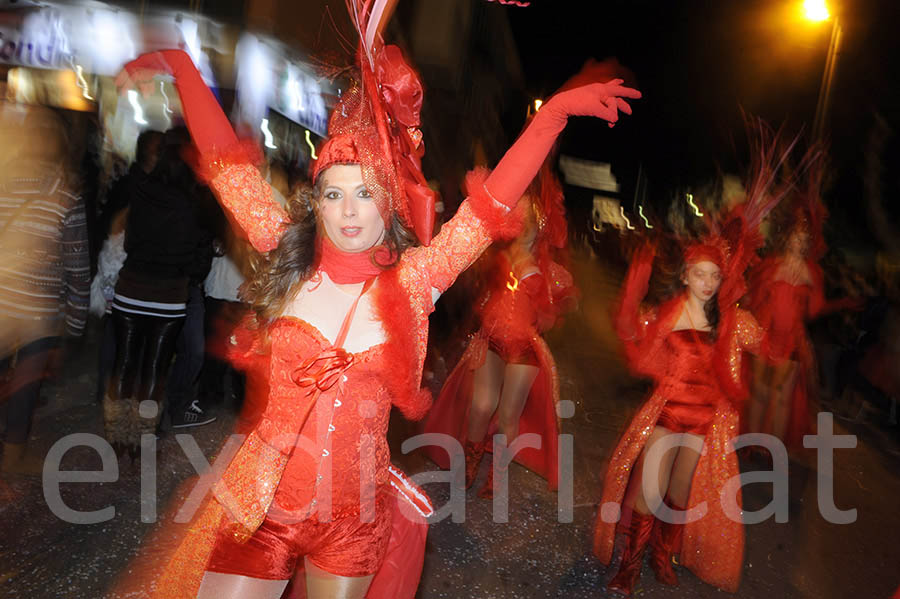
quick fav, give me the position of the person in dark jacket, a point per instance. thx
(151, 296)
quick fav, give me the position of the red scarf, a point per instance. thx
(345, 268)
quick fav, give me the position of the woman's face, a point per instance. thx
(702, 279)
(798, 242)
(349, 214)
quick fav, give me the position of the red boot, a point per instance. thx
(663, 548)
(474, 453)
(633, 557)
(487, 491)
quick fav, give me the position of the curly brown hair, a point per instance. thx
(276, 276)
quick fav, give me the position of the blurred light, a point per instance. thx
(815, 10)
(79, 77)
(312, 148)
(690, 200)
(537, 104)
(514, 285)
(270, 141)
(641, 213)
(627, 222)
(136, 106)
(162, 90)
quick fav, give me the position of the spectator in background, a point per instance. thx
(150, 296)
(112, 255)
(44, 267)
(183, 404)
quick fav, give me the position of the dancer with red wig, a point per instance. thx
(341, 299)
(506, 380)
(677, 451)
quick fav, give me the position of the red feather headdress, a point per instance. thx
(376, 125)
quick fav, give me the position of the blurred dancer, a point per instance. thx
(341, 303)
(787, 291)
(44, 267)
(507, 380)
(691, 346)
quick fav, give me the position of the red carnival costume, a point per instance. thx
(784, 307)
(523, 301)
(313, 478)
(698, 388)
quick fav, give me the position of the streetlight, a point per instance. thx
(817, 11)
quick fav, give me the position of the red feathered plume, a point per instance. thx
(378, 120)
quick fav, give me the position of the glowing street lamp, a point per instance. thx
(817, 11)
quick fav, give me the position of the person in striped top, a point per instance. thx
(44, 267)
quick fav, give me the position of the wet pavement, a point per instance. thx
(533, 555)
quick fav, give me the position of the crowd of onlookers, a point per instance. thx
(155, 261)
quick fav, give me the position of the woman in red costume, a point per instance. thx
(342, 301)
(691, 346)
(507, 378)
(787, 291)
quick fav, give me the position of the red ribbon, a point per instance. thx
(323, 370)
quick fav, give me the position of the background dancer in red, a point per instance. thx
(786, 292)
(341, 302)
(691, 346)
(506, 380)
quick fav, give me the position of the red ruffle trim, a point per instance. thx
(394, 308)
(501, 222)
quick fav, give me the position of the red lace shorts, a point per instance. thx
(343, 547)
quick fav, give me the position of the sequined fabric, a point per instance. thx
(713, 546)
(244, 193)
(248, 485)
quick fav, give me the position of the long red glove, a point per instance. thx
(520, 164)
(208, 125)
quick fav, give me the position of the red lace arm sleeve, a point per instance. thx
(226, 163)
(478, 222)
(248, 198)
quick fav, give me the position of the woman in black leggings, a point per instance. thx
(151, 295)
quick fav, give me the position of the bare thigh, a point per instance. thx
(487, 381)
(517, 382)
(324, 585)
(234, 586)
(683, 469)
(637, 495)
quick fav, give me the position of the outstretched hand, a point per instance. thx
(602, 100)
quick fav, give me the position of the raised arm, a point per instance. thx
(227, 164)
(485, 215)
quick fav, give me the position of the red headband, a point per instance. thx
(700, 252)
(339, 149)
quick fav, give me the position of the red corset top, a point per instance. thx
(689, 377)
(344, 438)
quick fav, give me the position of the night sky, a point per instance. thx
(699, 63)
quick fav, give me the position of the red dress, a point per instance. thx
(521, 303)
(783, 309)
(695, 385)
(689, 385)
